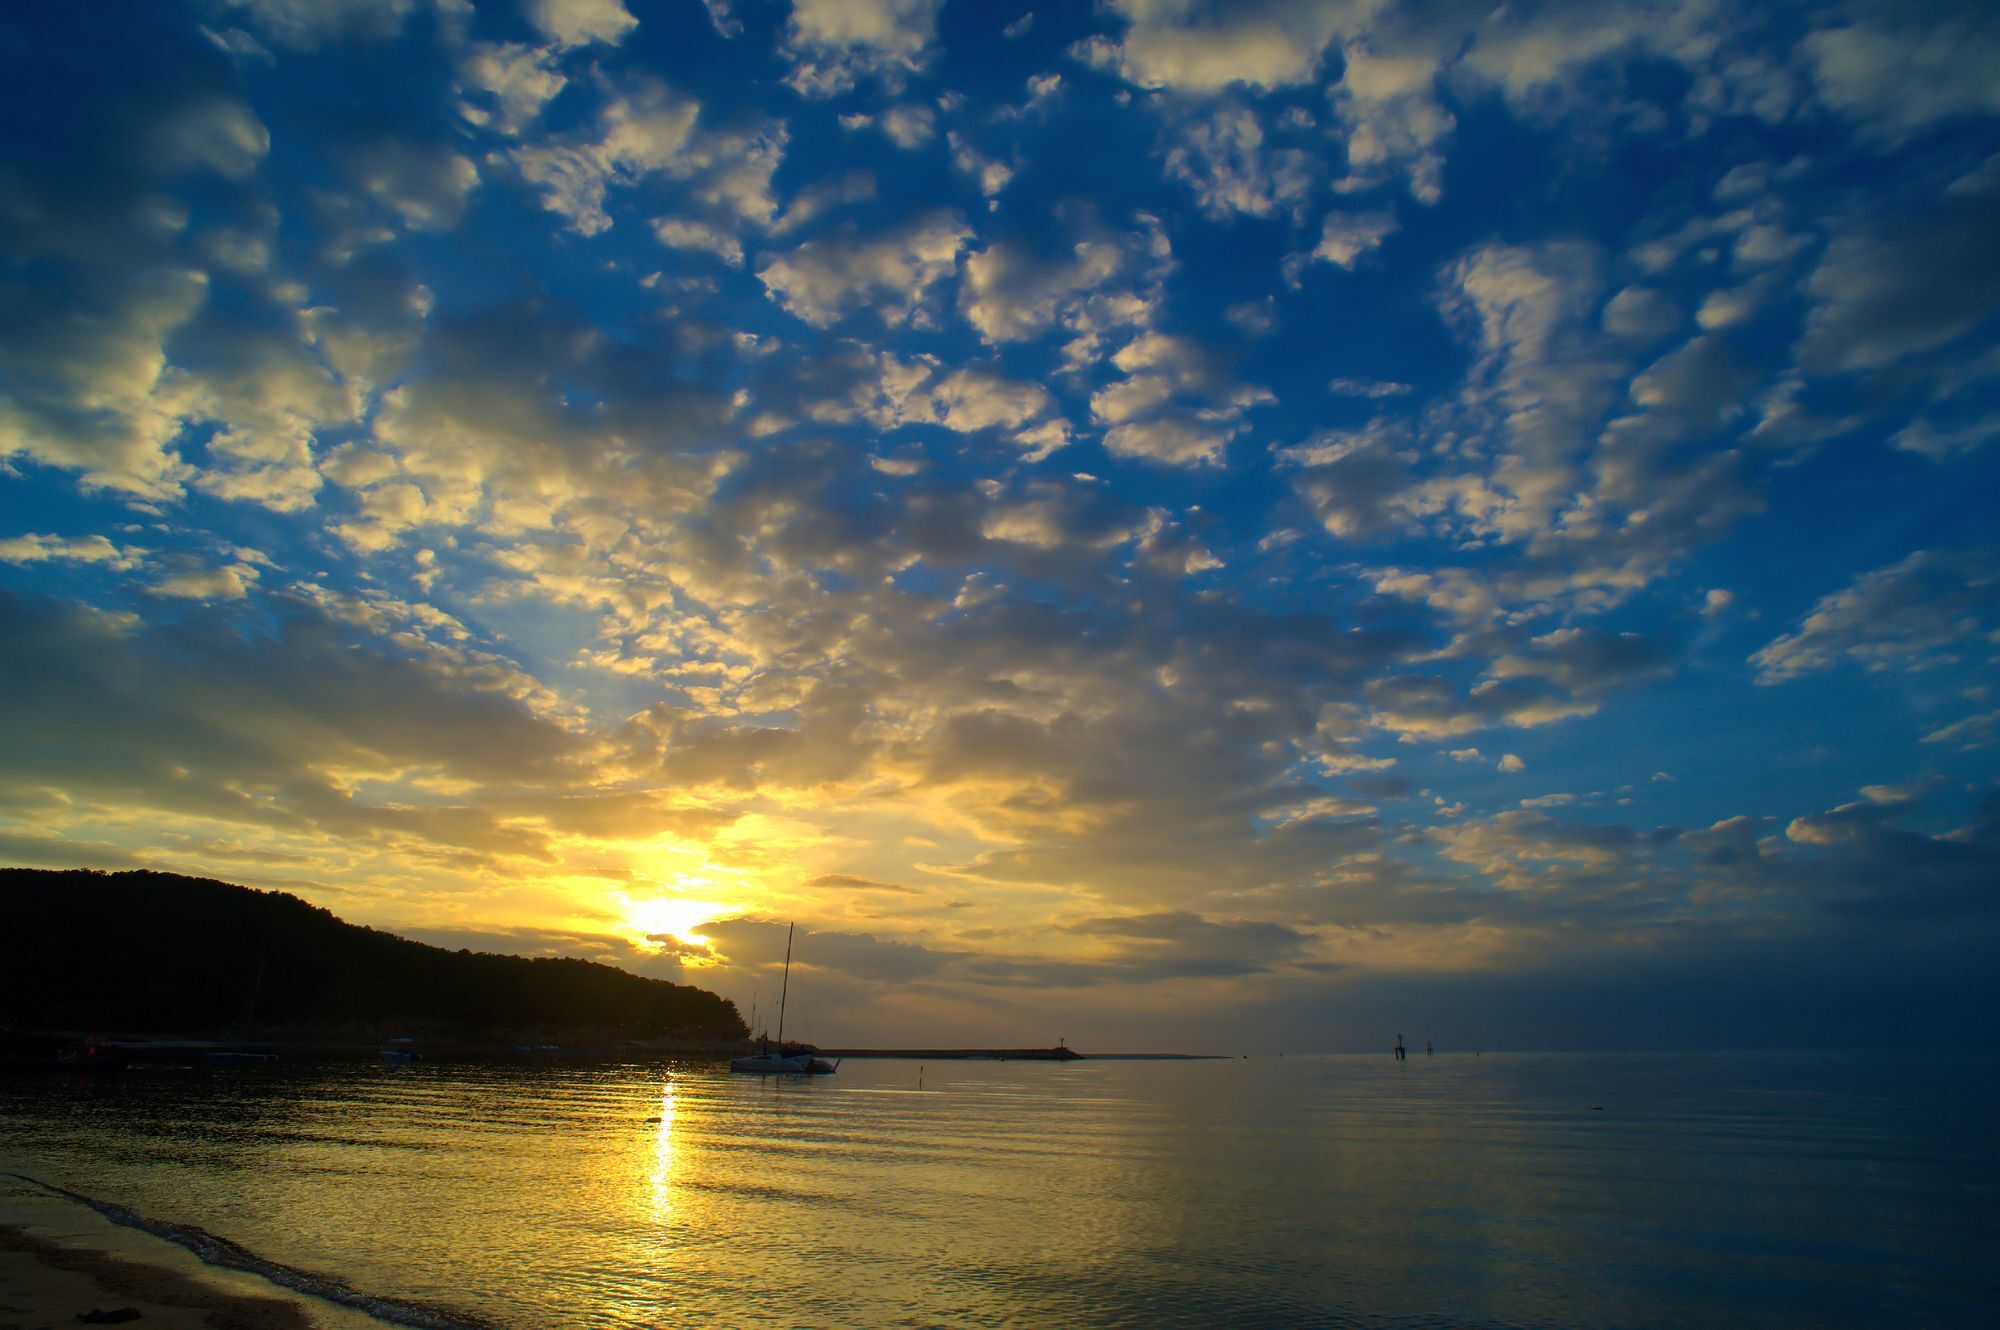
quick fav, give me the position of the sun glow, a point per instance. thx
(676, 917)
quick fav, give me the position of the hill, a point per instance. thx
(157, 952)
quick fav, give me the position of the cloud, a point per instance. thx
(1703, 383)
(1898, 73)
(1432, 707)
(851, 382)
(1641, 314)
(581, 22)
(1178, 944)
(472, 591)
(1538, 372)
(519, 79)
(683, 233)
(1177, 403)
(836, 43)
(425, 185)
(69, 549)
(1944, 444)
(305, 24)
(1586, 662)
(1355, 480)
(724, 171)
(1928, 609)
(1346, 387)
(1346, 237)
(1222, 157)
(191, 580)
(909, 125)
(1092, 286)
(87, 384)
(1968, 734)
(487, 431)
(200, 724)
(1889, 288)
(1174, 44)
(893, 273)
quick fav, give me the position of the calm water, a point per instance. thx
(1712, 1190)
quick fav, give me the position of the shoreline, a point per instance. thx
(112, 1051)
(65, 1257)
(45, 1283)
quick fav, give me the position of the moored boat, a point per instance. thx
(797, 1062)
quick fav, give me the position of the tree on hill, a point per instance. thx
(161, 952)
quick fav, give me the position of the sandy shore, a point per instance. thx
(60, 1263)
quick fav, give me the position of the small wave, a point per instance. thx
(221, 1252)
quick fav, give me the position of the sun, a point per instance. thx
(676, 917)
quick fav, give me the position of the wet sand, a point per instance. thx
(44, 1284)
(60, 1262)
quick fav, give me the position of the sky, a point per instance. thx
(1165, 525)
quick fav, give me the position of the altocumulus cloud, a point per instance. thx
(1089, 514)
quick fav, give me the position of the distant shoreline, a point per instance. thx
(158, 1048)
(960, 1054)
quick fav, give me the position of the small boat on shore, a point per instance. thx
(795, 1062)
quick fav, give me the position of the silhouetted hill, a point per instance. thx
(160, 952)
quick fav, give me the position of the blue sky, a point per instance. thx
(1164, 523)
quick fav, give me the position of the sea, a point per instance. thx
(1733, 1190)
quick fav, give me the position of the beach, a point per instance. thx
(62, 1264)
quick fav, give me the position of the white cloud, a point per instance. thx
(1347, 236)
(1892, 287)
(91, 391)
(836, 43)
(1923, 611)
(1176, 404)
(1374, 388)
(425, 185)
(637, 136)
(850, 382)
(1942, 444)
(520, 79)
(305, 24)
(1703, 382)
(1919, 68)
(1177, 440)
(1511, 763)
(726, 174)
(581, 22)
(1723, 309)
(1097, 286)
(909, 125)
(193, 582)
(720, 18)
(1540, 376)
(685, 233)
(829, 277)
(1393, 121)
(69, 549)
(1175, 44)
(991, 174)
(1222, 157)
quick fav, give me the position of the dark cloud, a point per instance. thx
(1897, 286)
(202, 720)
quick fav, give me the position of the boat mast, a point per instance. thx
(786, 988)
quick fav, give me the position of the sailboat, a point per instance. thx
(802, 1063)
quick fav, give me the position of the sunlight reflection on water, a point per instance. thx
(1305, 1191)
